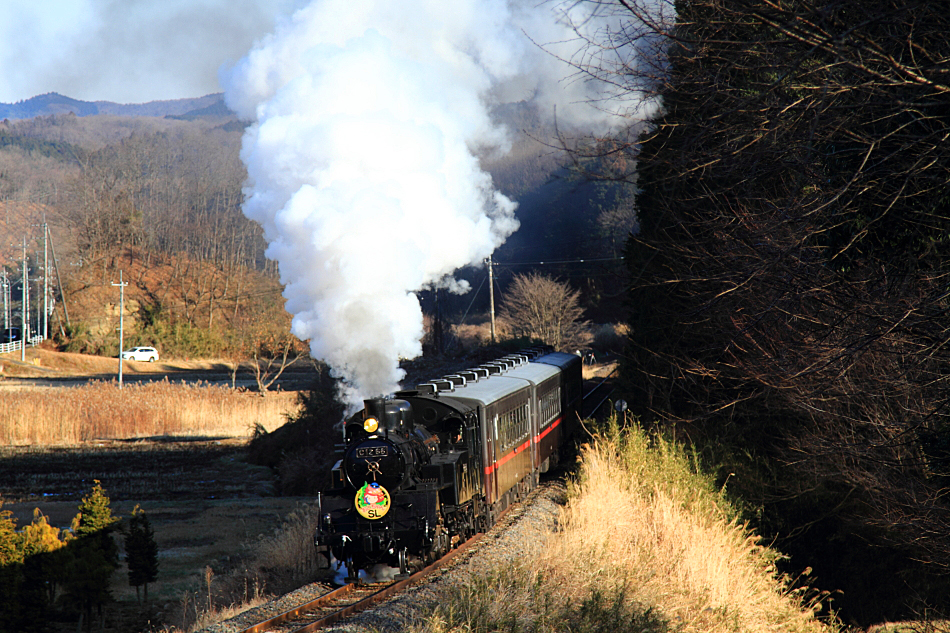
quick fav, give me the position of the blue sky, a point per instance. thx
(128, 51)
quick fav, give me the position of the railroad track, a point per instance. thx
(349, 599)
(597, 395)
(353, 598)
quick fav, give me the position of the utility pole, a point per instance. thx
(121, 286)
(24, 309)
(6, 305)
(59, 282)
(42, 323)
(491, 298)
(45, 281)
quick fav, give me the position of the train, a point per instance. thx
(425, 469)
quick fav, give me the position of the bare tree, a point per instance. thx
(272, 357)
(542, 308)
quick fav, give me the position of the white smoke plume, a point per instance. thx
(367, 118)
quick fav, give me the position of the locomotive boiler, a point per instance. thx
(424, 470)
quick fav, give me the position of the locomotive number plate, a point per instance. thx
(373, 451)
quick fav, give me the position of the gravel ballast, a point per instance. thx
(518, 535)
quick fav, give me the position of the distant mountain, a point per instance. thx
(53, 103)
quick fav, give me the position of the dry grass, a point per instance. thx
(220, 614)
(100, 410)
(641, 518)
(646, 544)
(273, 565)
(287, 558)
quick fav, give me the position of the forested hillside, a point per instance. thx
(790, 282)
(156, 198)
(54, 104)
(159, 199)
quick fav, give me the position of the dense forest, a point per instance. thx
(790, 280)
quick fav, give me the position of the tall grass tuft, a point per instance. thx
(645, 543)
(100, 410)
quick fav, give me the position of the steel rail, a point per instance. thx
(592, 410)
(391, 589)
(600, 384)
(360, 605)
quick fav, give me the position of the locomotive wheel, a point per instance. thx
(352, 571)
(440, 544)
(404, 570)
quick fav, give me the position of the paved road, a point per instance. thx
(289, 381)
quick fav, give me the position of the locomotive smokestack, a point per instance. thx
(375, 408)
(392, 415)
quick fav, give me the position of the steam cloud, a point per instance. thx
(362, 156)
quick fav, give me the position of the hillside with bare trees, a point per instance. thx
(790, 280)
(156, 199)
(159, 200)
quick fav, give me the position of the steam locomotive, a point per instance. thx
(425, 470)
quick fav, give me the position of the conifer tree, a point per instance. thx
(95, 515)
(10, 551)
(141, 552)
(94, 555)
(42, 546)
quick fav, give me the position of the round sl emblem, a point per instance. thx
(372, 501)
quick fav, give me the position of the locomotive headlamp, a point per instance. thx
(370, 425)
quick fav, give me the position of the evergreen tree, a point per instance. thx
(10, 550)
(141, 552)
(42, 548)
(95, 514)
(93, 556)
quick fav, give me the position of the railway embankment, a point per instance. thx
(641, 542)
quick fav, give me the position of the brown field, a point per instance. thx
(207, 506)
(83, 401)
(100, 410)
(42, 362)
(176, 450)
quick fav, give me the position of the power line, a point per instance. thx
(566, 261)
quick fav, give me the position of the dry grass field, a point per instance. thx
(645, 544)
(100, 410)
(177, 450)
(75, 411)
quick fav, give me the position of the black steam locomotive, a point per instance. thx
(427, 469)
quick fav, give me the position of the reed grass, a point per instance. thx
(645, 543)
(100, 410)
